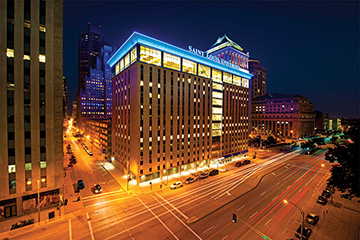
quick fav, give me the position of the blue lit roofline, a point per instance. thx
(162, 46)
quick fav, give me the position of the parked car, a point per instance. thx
(176, 185)
(306, 232)
(73, 161)
(214, 172)
(326, 193)
(190, 180)
(70, 151)
(223, 170)
(97, 188)
(203, 175)
(238, 164)
(330, 188)
(90, 153)
(246, 162)
(81, 184)
(312, 218)
(322, 200)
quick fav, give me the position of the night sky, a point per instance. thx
(307, 48)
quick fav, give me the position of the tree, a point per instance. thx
(333, 139)
(271, 140)
(309, 144)
(345, 174)
(319, 141)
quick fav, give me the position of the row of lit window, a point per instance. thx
(28, 167)
(11, 53)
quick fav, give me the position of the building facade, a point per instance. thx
(65, 98)
(258, 81)
(319, 121)
(283, 116)
(99, 132)
(31, 93)
(175, 110)
(334, 124)
(326, 121)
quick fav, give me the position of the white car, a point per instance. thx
(176, 185)
(223, 169)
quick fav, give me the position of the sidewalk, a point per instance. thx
(341, 222)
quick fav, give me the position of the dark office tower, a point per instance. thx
(65, 96)
(31, 93)
(90, 44)
(258, 81)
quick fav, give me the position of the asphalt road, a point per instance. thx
(201, 210)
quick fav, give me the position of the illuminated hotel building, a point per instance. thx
(176, 109)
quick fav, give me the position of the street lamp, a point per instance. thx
(302, 216)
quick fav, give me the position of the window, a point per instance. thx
(41, 58)
(12, 168)
(245, 82)
(217, 102)
(117, 68)
(133, 55)
(217, 95)
(216, 126)
(42, 164)
(217, 110)
(216, 117)
(204, 71)
(215, 133)
(10, 53)
(171, 61)
(28, 166)
(150, 55)
(127, 60)
(237, 80)
(189, 66)
(227, 77)
(121, 65)
(217, 86)
(216, 75)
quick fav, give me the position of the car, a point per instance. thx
(330, 189)
(203, 175)
(326, 193)
(70, 151)
(81, 184)
(190, 180)
(97, 188)
(176, 185)
(223, 170)
(238, 164)
(306, 232)
(246, 162)
(73, 161)
(90, 153)
(214, 172)
(322, 200)
(312, 218)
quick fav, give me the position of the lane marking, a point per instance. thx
(70, 233)
(158, 219)
(91, 231)
(288, 187)
(176, 209)
(240, 208)
(177, 218)
(224, 237)
(268, 221)
(253, 214)
(263, 193)
(278, 183)
(208, 229)
(274, 198)
(273, 173)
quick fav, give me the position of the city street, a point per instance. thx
(201, 210)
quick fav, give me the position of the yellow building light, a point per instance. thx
(10, 52)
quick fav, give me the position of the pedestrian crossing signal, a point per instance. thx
(234, 217)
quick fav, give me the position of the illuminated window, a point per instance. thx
(171, 61)
(42, 164)
(227, 77)
(217, 86)
(216, 133)
(117, 68)
(10, 52)
(204, 71)
(216, 75)
(217, 95)
(42, 58)
(237, 80)
(245, 82)
(133, 55)
(27, 166)
(189, 66)
(216, 110)
(216, 117)
(26, 57)
(150, 55)
(12, 169)
(121, 65)
(216, 126)
(217, 102)
(43, 29)
(127, 60)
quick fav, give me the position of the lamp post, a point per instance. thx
(302, 216)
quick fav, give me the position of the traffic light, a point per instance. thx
(234, 217)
